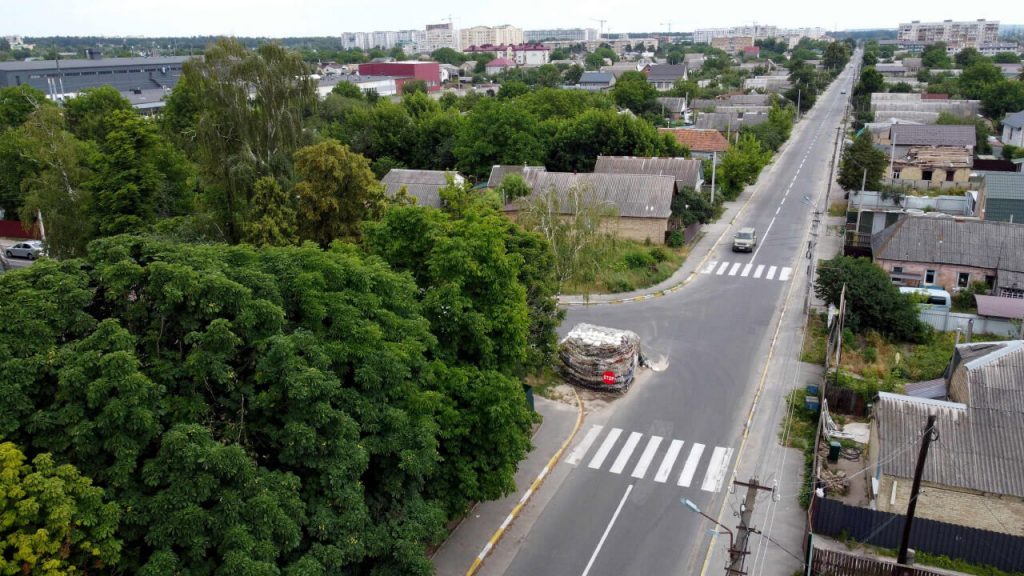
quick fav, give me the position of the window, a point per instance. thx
(990, 281)
(897, 269)
(963, 279)
(929, 277)
(926, 175)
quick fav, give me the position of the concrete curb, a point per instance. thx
(493, 541)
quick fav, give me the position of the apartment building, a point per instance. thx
(494, 35)
(956, 35)
(571, 34)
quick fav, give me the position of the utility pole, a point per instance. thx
(714, 160)
(738, 553)
(929, 432)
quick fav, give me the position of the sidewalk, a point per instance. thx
(456, 555)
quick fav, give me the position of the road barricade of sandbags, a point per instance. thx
(599, 357)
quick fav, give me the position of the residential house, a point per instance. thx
(912, 65)
(468, 68)
(929, 165)
(643, 202)
(728, 122)
(450, 73)
(673, 107)
(701, 143)
(907, 136)
(768, 83)
(1011, 71)
(423, 185)
(974, 474)
(617, 69)
(664, 76)
(693, 61)
(499, 171)
(951, 252)
(1002, 197)
(688, 172)
(752, 52)
(499, 65)
(1013, 129)
(596, 81)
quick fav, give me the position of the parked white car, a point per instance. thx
(31, 249)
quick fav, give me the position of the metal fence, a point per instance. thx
(946, 321)
(836, 563)
(884, 529)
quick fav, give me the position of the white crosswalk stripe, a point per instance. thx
(748, 270)
(625, 453)
(605, 448)
(691, 465)
(645, 459)
(715, 468)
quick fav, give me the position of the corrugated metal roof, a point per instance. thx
(995, 378)
(933, 135)
(596, 78)
(666, 72)
(1015, 120)
(420, 184)
(945, 240)
(672, 104)
(634, 195)
(686, 171)
(1004, 185)
(93, 63)
(1000, 306)
(976, 449)
(498, 173)
(932, 389)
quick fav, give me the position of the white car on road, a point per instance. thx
(31, 249)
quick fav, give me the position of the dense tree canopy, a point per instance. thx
(862, 165)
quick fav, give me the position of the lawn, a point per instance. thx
(626, 265)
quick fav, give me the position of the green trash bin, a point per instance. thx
(834, 448)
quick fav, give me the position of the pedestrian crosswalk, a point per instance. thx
(760, 271)
(649, 459)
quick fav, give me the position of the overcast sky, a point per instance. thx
(276, 18)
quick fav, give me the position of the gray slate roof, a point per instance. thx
(672, 104)
(686, 171)
(978, 449)
(666, 72)
(499, 171)
(634, 195)
(596, 78)
(946, 240)
(933, 135)
(995, 374)
(420, 184)
(1015, 120)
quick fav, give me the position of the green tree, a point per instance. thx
(513, 187)
(935, 56)
(513, 89)
(15, 167)
(498, 132)
(967, 57)
(57, 189)
(548, 76)
(337, 191)
(873, 302)
(138, 176)
(1006, 58)
(573, 74)
(55, 522)
(1002, 97)
(837, 54)
(180, 116)
(871, 81)
(434, 140)
(577, 142)
(572, 225)
(273, 221)
(414, 86)
(979, 78)
(862, 164)
(88, 112)
(448, 56)
(17, 103)
(741, 165)
(347, 90)
(251, 121)
(632, 91)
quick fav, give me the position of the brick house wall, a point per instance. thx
(956, 506)
(639, 229)
(946, 275)
(938, 174)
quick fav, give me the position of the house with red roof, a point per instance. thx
(702, 143)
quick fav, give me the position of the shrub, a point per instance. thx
(659, 253)
(676, 239)
(637, 259)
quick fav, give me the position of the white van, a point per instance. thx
(936, 298)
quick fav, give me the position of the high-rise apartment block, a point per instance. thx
(956, 35)
(494, 35)
(439, 36)
(573, 34)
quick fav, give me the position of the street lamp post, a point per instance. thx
(690, 504)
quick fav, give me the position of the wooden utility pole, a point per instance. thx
(929, 432)
(738, 553)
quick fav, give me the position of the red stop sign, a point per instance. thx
(608, 377)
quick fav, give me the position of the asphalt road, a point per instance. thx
(675, 434)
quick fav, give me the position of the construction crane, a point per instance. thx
(669, 24)
(600, 35)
